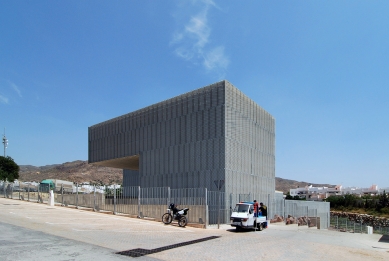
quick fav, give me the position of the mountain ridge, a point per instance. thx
(80, 171)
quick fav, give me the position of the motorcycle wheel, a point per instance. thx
(182, 222)
(167, 218)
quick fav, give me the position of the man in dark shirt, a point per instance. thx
(263, 209)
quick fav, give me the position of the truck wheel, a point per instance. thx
(260, 226)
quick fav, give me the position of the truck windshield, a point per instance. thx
(241, 208)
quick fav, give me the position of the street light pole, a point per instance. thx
(5, 142)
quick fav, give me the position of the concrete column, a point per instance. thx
(369, 230)
(51, 198)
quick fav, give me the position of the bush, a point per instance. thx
(385, 211)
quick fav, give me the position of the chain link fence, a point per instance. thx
(345, 225)
(300, 212)
(25, 191)
(206, 207)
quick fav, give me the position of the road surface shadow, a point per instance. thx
(384, 239)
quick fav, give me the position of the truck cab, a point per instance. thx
(243, 217)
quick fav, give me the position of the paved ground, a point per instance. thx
(32, 231)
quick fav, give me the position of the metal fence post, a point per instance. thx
(346, 225)
(28, 192)
(168, 196)
(218, 209)
(114, 199)
(76, 195)
(307, 215)
(138, 201)
(206, 207)
(268, 211)
(62, 194)
(94, 198)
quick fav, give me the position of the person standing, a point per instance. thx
(256, 208)
(263, 210)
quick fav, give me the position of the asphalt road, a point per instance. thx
(32, 231)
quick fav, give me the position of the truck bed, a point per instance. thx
(261, 219)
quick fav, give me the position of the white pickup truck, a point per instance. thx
(242, 217)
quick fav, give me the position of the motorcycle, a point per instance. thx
(175, 214)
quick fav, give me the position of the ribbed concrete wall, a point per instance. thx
(180, 141)
(192, 140)
(250, 146)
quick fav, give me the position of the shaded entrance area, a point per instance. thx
(129, 162)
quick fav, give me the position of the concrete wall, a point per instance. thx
(214, 137)
(250, 147)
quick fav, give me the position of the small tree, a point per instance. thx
(383, 201)
(9, 170)
(288, 196)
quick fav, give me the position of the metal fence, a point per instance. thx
(206, 207)
(345, 225)
(24, 191)
(304, 213)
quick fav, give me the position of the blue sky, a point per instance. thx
(321, 68)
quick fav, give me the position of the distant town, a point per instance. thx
(320, 193)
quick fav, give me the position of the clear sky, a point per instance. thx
(321, 68)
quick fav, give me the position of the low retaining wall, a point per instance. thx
(300, 221)
(364, 218)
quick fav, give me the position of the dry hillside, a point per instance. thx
(76, 171)
(80, 171)
(285, 185)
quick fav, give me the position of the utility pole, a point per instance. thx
(5, 142)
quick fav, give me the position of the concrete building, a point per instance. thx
(214, 137)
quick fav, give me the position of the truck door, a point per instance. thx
(250, 222)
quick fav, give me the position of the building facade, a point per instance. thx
(214, 137)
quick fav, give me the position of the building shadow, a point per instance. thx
(384, 239)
